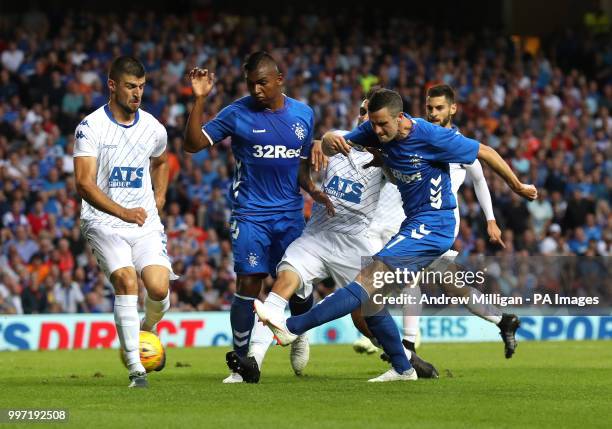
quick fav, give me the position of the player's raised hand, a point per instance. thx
(495, 234)
(136, 215)
(322, 198)
(333, 143)
(317, 157)
(202, 81)
(529, 192)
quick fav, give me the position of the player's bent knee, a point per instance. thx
(125, 281)
(156, 279)
(287, 282)
(250, 285)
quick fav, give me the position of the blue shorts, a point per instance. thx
(420, 241)
(259, 242)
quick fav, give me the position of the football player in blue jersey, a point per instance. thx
(271, 137)
(417, 154)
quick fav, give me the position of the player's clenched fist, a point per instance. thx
(136, 215)
(529, 192)
(334, 143)
(202, 81)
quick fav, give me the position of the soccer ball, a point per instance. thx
(152, 353)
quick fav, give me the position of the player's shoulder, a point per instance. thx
(245, 103)
(299, 107)
(94, 118)
(148, 119)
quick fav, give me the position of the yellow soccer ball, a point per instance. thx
(152, 353)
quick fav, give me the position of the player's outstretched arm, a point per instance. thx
(159, 175)
(202, 83)
(85, 168)
(308, 185)
(484, 199)
(496, 162)
(332, 144)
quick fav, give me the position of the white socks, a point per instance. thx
(411, 315)
(262, 337)
(128, 328)
(154, 311)
(487, 311)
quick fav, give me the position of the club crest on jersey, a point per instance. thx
(299, 130)
(126, 177)
(344, 189)
(253, 259)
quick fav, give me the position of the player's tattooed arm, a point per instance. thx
(85, 168)
(497, 163)
(159, 176)
(308, 185)
(202, 83)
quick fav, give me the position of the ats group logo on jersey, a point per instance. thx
(299, 130)
(344, 189)
(126, 177)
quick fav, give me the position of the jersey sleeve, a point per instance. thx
(363, 135)
(222, 125)
(162, 141)
(481, 189)
(307, 146)
(86, 141)
(448, 145)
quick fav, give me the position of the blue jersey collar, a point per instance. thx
(108, 112)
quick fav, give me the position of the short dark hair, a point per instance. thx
(256, 59)
(125, 65)
(371, 91)
(442, 91)
(386, 98)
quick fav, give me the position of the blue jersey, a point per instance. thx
(267, 146)
(420, 161)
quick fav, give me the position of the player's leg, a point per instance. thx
(409, 250)
(114, 256)
(287, 230)
(343, 301)
(411, 315)
(152, 262)
(508, 324)
(251, 239)
(301, 264)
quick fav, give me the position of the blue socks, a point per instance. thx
(385, 330)
(334, 306)
(299, 306)
(242, 319)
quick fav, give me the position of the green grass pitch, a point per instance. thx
(546, 384)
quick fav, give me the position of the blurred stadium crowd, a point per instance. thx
(545, 108)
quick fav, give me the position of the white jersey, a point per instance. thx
(353, 190)
(123, 153)
(389, 214)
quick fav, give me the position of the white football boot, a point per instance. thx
(393, 375)
(278, 327)
(300, 353)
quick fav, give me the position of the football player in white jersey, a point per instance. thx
(441, 107)
(121, 173)
(330, 246)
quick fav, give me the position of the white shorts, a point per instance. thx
(116, 248)
(316, 256)
(381, 233)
